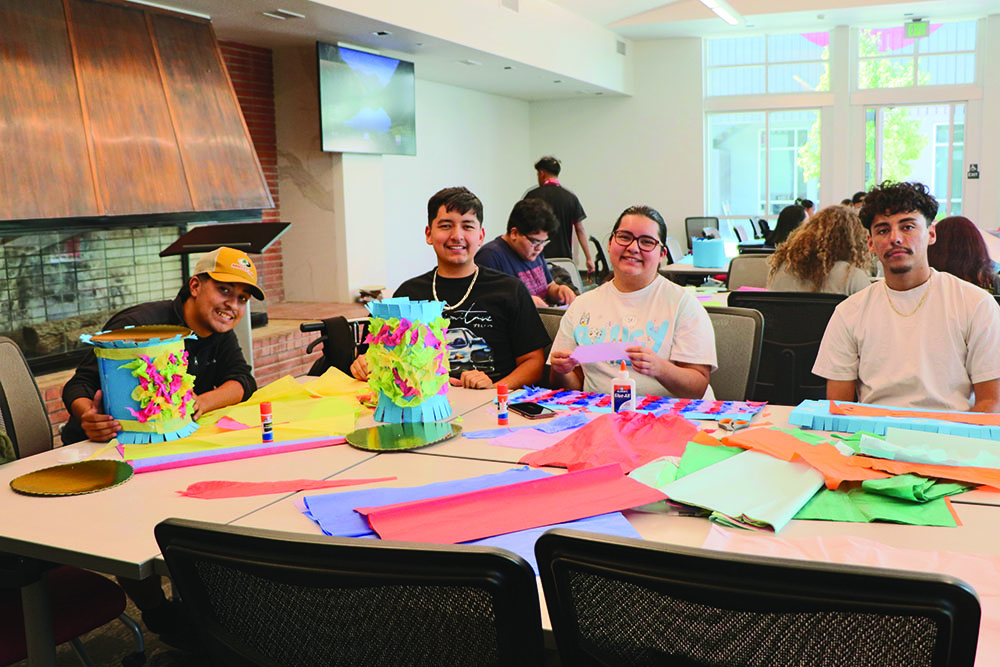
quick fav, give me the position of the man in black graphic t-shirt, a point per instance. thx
(495, 333)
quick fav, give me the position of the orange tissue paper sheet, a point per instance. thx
(505, 509)
(856, 410)
(987, 476)
(631, 439)
(835, 467)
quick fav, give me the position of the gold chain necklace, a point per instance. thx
(921, 302)
(434, 289)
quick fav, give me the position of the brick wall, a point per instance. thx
(251, 71)
(283, 354)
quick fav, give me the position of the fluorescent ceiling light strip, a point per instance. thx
(711, 4)
(725, 16)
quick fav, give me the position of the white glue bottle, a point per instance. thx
(623, 391)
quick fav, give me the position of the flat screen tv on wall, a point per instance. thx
(366, 102)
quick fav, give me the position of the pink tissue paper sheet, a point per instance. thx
(981, 571)
(631, 439)
(223, 489)
(506, 509)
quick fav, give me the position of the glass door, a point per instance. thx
(918, 143)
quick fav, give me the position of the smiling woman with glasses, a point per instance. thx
(671, 341)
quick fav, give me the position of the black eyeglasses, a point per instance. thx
(536, 243)
(645, 243)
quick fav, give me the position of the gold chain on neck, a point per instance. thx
(434, 289)
(896, 310)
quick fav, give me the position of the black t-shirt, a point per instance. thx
(212, 360)
(568, 211)
(497, 323)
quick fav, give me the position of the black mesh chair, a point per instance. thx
(794, 323)
(270, 598)
(627, 602)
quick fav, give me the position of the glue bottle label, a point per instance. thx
(622, 397)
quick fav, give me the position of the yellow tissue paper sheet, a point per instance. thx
(336, 383)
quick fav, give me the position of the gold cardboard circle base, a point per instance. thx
(73, 479)
(402, 437)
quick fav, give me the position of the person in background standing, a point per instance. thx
(567, 208)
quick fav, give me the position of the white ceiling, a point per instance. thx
(446, 62)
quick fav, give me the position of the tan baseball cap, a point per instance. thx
(228, 265)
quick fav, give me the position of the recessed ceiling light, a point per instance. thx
(557, 81)
(508, 67)
(470, 62)
(289, 15)
(272, 15)
(381, 33)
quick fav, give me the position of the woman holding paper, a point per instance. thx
(664, 333)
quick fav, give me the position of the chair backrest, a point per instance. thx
(745, 249)
(755, 228)
(738, 334)
(569, 267)
(742, 233)
(626, 602)
(695, 227)
(794, 323)
(343, 340)
(551, 318)
(272, 598)
(674, 251)
(22, 411)
(748, 271)
(601, 265)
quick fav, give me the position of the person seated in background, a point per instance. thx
(858, 199)
(920, 338)
(518, 252)
(808, 205)
(495, 333)
(788, 221)
(672, 342)
(830, 254)
(846, 202)
(961, 251)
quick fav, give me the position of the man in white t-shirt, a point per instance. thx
(672, 342)
(920, 338)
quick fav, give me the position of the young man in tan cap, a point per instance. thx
(211, 304)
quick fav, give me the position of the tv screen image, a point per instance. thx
(367, 102)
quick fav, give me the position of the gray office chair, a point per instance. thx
(551, 318)
(261, 597)
(695, 227)
(748, 271)
(574, 273)
(738, 333)
(630, 603)
(674, 251)
(80, 601)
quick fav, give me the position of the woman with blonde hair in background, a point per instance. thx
(830, 254)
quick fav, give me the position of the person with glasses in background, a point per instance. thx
(671, 342)
(518, 252)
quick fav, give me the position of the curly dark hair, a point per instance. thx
(961, 251)
(832, 235)
(890, 198)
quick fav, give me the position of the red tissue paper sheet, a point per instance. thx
(630, 439)
(222, 489)
(506, 509)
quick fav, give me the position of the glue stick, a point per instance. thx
(266, 430)
(623, 391)
(502, 403)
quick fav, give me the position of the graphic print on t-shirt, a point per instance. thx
(534, 280)
(467, 346)
(651, 334)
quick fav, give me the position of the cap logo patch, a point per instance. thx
(243, 264)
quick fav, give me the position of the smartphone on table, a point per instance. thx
(532, 410)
